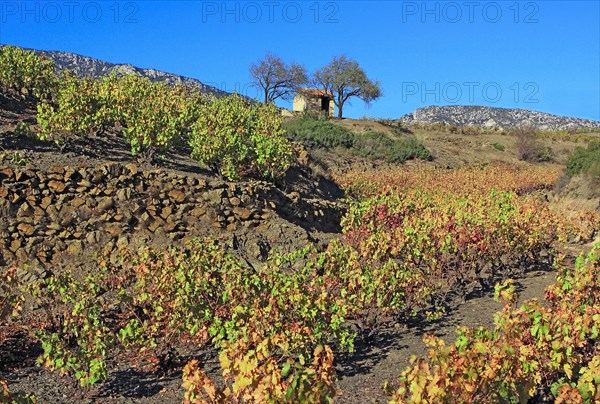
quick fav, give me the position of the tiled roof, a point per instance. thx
(316, 91)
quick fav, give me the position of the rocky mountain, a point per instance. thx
(85, 66)
(496, 118)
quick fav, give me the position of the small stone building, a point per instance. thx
(312, 99)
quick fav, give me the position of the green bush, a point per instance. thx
(409, 149)
(148, 113)
(78, 108)
(317, 133)
(498, 146)
(585, 160)
(234, 137)
(26, 74)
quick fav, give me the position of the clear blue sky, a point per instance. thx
(541, 55)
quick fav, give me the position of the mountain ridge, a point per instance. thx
(87, 66)
(496, 118)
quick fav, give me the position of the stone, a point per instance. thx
(105, 204)
(133, 169)
(166, 212)
(57, 170)
(242, 213)
(235, 201)
(72, 175)
(25, 210)
(26, 229)
(15, 245)
(57, 186)
(177, 195)
(93, 237)
(77, 202)
(3, 192)
(170, 226)
(7, 173)
(123, 194)
(75, 247)
(153, 227)
(197, 212)
(114, 230)
(46, 201)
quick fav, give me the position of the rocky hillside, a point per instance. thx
(85, 66)
(496, 118)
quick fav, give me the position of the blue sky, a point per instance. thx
(540, 55)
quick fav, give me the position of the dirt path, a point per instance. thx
(363, 374)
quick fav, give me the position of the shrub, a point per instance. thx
(233, 137)
(585, 160)
(24, 73)
(79, 108)
(498, 146)
(147, 111)
(529, 148)
(316, 133)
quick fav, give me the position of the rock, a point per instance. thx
(177, 196)
(170, 226)
(15, 245)
(3, 192)
(46, 201)
(25, 210)
(7, 173)
(57, 186)
(123, 194)
(93, 237)
(214, 196)
(113, 230)
(242, 213)
(26, 229)
(197, 212)
(75, 247)
(154, 226)
(77, 202)
(235, 201)
(133, 168)
(105, 204)
(166, 212)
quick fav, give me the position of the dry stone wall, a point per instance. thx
(68, 210)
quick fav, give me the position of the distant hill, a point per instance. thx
(85, 66)
(496, 118)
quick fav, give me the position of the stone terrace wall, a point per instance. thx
(45, 214)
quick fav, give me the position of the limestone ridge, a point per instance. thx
(85, 66)
(496, 118)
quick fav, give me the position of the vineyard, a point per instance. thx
(414, 241)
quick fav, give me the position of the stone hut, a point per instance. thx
(312, 99)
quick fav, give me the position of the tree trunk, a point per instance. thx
(340, 111)
(266, 95)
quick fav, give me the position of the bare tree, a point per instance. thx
(277, 79)
(344, 78)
